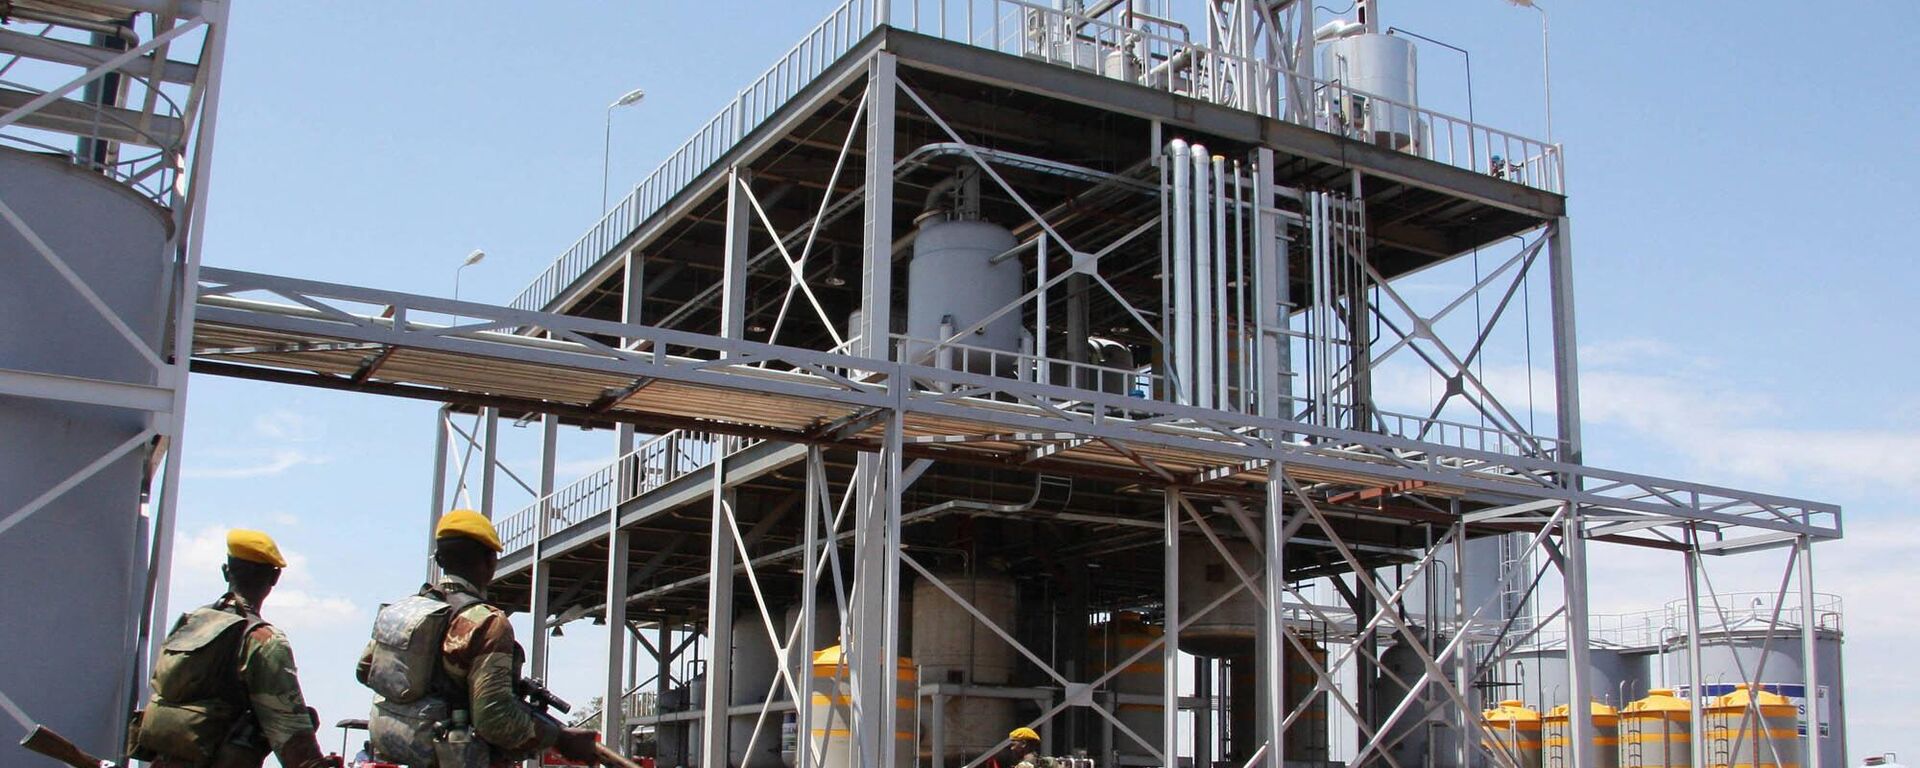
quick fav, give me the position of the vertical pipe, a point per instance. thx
(1809, 652)
(1273, 296)
(1222, 361)
(1182, 272)
(1463, 673)
(1170, 650)
(439, 503)
(1043, 375)
(1699, 741)
(1275, 545)
(1204, 374)
(613, 723)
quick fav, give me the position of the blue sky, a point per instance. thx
(1740, 177)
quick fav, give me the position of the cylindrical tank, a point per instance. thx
(1656, 731)
(1731, 657)
(954, 649)
(1513, 730)
(1752, 728)
(1433, 738)
(1377, 66)
(1230, 628)
(1111, 642)
(831, 729)
(1307, 737)
(81, 549)
(752, 673)
(1541, 674)
(1557, 741)
(826, 633)
(953, 281)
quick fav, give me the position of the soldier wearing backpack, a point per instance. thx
(444, 665)
(225, 690)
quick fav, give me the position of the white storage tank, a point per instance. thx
(953, 283)
(86, 549)
(1727, 659)
(1377, 66)
(953, 648)
(1229, 629)
(753, 671)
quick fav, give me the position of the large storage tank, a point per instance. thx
(1657, 731)
(1229, 629)
(1541, 674)
(1307, 738)
(953, 282)
(84, 550)
(1430, 739)
(1111, 642)
(831, 700)
(1513, 730)
(1376, 66)
(1730, 658)
(755, 665)
(1557, 736)
(955, 649)
(1751, 728)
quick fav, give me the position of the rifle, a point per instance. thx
(536, 694)
(44, 741)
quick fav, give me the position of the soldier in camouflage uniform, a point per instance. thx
(263, 692)
(479, 654)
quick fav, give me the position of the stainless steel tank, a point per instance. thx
(952, 648)
(1230, 628)
(1376, 67)
(84, 549)
(952, 282)
(1727, 659)
(1540, 672)
(754, 668)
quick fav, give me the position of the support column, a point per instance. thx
(876, 263)
(613, 722)
(1566, 356)
(632, 300)
(1274, 693)
(1170, 651)
(1693, 646)
(489, 458)
(1463, 671)
(713, 731)
(1579, 666)
(1274, 297)
(439, 503)
(733, 277)
(1809, 652)
(801, 655)
(542, 572)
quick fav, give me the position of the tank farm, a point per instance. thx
(982, 364)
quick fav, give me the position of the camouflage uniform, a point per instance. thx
(481, 658)
(281, 720)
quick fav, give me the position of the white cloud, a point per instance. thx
(275, 463)
(294, 604)
(289, 425)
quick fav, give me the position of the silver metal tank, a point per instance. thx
(952, 282)
(1108, 644)
(1723, 656)
(952, 648)
(1541, 676)
(754, 667)
(1429, 739)
(1377, 66)
(83, 550)
(1230, 628)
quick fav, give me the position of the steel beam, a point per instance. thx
(713, 733)
(613, 698)
(876, 264)
(1566, 352)
(90, 391)
(733, 279)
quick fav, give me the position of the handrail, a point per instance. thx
(655, 463)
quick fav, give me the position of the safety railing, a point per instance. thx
(824, 45)
(1737, 612)
(1026, 365)
(655, 463)
(145, 157)
(1144, 50)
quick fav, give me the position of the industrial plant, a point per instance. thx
(981, 364)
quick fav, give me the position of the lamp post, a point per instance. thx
(473, 258)
(1546, 61)
(1463, 53)
(606, 150)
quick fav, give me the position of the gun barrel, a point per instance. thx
(607, 756)
(44, 741)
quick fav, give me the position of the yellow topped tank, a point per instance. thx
(1515, 732)
(1656, 732)
(1753, 728)
(1557, 742)
(831, 714)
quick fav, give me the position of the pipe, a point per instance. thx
(1202, 283)
(1222, 254)
(1182, 311)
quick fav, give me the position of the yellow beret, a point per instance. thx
(254, 547)
(468, 523)
(1023, 733)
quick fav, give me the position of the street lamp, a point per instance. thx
(606, 151)
(1546, 61)
(472, 258)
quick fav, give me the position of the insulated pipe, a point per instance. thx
(1182, 284)
(1218, 317)
(1204, 374)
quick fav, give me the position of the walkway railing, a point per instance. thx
(655, 463)
(1155, 53)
